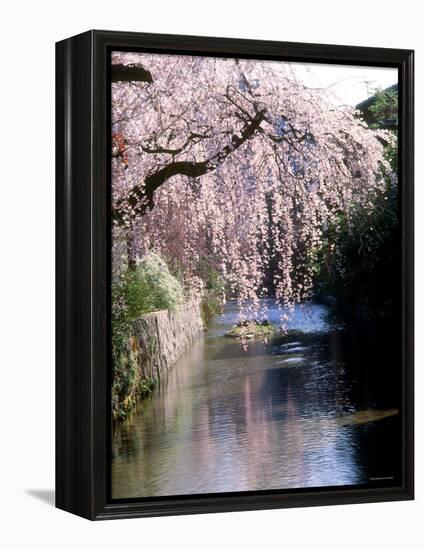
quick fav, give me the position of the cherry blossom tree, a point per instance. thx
(236, 161)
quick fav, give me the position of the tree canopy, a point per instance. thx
(236, 161)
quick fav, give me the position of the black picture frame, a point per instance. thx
(83, 266)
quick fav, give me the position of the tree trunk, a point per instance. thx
(131, 252)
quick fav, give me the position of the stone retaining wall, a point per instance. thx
(160, 338)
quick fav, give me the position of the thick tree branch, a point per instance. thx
(140, 198)
(134, 72)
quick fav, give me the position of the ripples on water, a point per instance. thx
(283, 414)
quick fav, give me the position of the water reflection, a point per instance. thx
(228, 420)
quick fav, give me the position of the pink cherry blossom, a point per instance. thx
(236, 161)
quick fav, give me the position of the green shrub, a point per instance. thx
(148, 287)
(210, 306)
(158, 287)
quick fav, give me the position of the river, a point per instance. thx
(304, 410)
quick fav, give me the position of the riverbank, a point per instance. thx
(157, 341)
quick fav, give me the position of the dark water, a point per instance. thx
(318, 407)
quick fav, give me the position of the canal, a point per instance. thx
(314, 407)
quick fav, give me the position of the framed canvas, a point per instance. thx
(234, 274)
